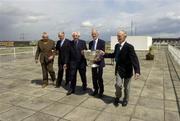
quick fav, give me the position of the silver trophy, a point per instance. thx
(92, 57)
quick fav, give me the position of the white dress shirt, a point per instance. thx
(62, 41)
(122, 44)
(96, 41)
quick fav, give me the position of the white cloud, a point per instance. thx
(34, 19)
(108, 16)
(87, 24)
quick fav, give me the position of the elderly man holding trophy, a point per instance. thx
(95, 56)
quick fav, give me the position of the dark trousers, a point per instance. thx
(60, 75)
(47, 67)
(97, 79)
(74, 67)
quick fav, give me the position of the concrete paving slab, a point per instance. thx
(82, 114)
(15, 114)
(104, 116)
(58, 109)
(124, 111)
(41, 117)
(36, 103)
(149, 114)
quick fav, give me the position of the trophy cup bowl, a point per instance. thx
(90, 56)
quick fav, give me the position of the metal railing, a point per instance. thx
(175, 52)
(11, 53)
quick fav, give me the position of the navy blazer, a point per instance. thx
(126, 61)
(100, 46)
(75, 52)
(63, 57)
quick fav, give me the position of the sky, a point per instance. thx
(27, 19)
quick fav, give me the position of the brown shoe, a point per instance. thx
(44, 85)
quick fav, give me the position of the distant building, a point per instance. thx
(6, 44)
(14, 43)
(139, 42)
(165, 41)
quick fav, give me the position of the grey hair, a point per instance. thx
(61, 33)
(94, 30)
(123, 31)
(44, 34)
(73, 33)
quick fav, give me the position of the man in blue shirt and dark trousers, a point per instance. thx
(62, 48)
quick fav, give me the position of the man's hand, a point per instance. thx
(136, 76)
(65, 66)
(51, 57)
(102, 52)
(36, 60)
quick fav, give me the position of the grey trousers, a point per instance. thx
(120, 83)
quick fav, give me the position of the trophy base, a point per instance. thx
(94, 65)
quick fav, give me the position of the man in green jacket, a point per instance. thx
(46, 51)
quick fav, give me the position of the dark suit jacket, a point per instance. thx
(127, 60)
(63, 52)
(75, 53)
(100, 46)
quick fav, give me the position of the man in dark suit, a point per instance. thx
(97, 72)
(77, 62)
(46, 49)
(62, 48)
(126, 59)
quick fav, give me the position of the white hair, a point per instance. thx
(61, 33)
(73, 33)
(123, 31)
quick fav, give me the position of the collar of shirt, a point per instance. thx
(122, 44)
(96, 40)
(62, 41)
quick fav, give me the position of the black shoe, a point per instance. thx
(70, 92)
(94, 93)
(57, 86)
(84, 88)
(124, 103)
(100, 95)
(66, 83)
(116, 101)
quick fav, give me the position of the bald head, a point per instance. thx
(61, 35)
(75, 35)
(121, 36)
(94, 34)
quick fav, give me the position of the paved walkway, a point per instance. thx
(152, 97)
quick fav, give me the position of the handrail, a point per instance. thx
(175, 52)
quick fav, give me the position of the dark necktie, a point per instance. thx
(117, 53)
